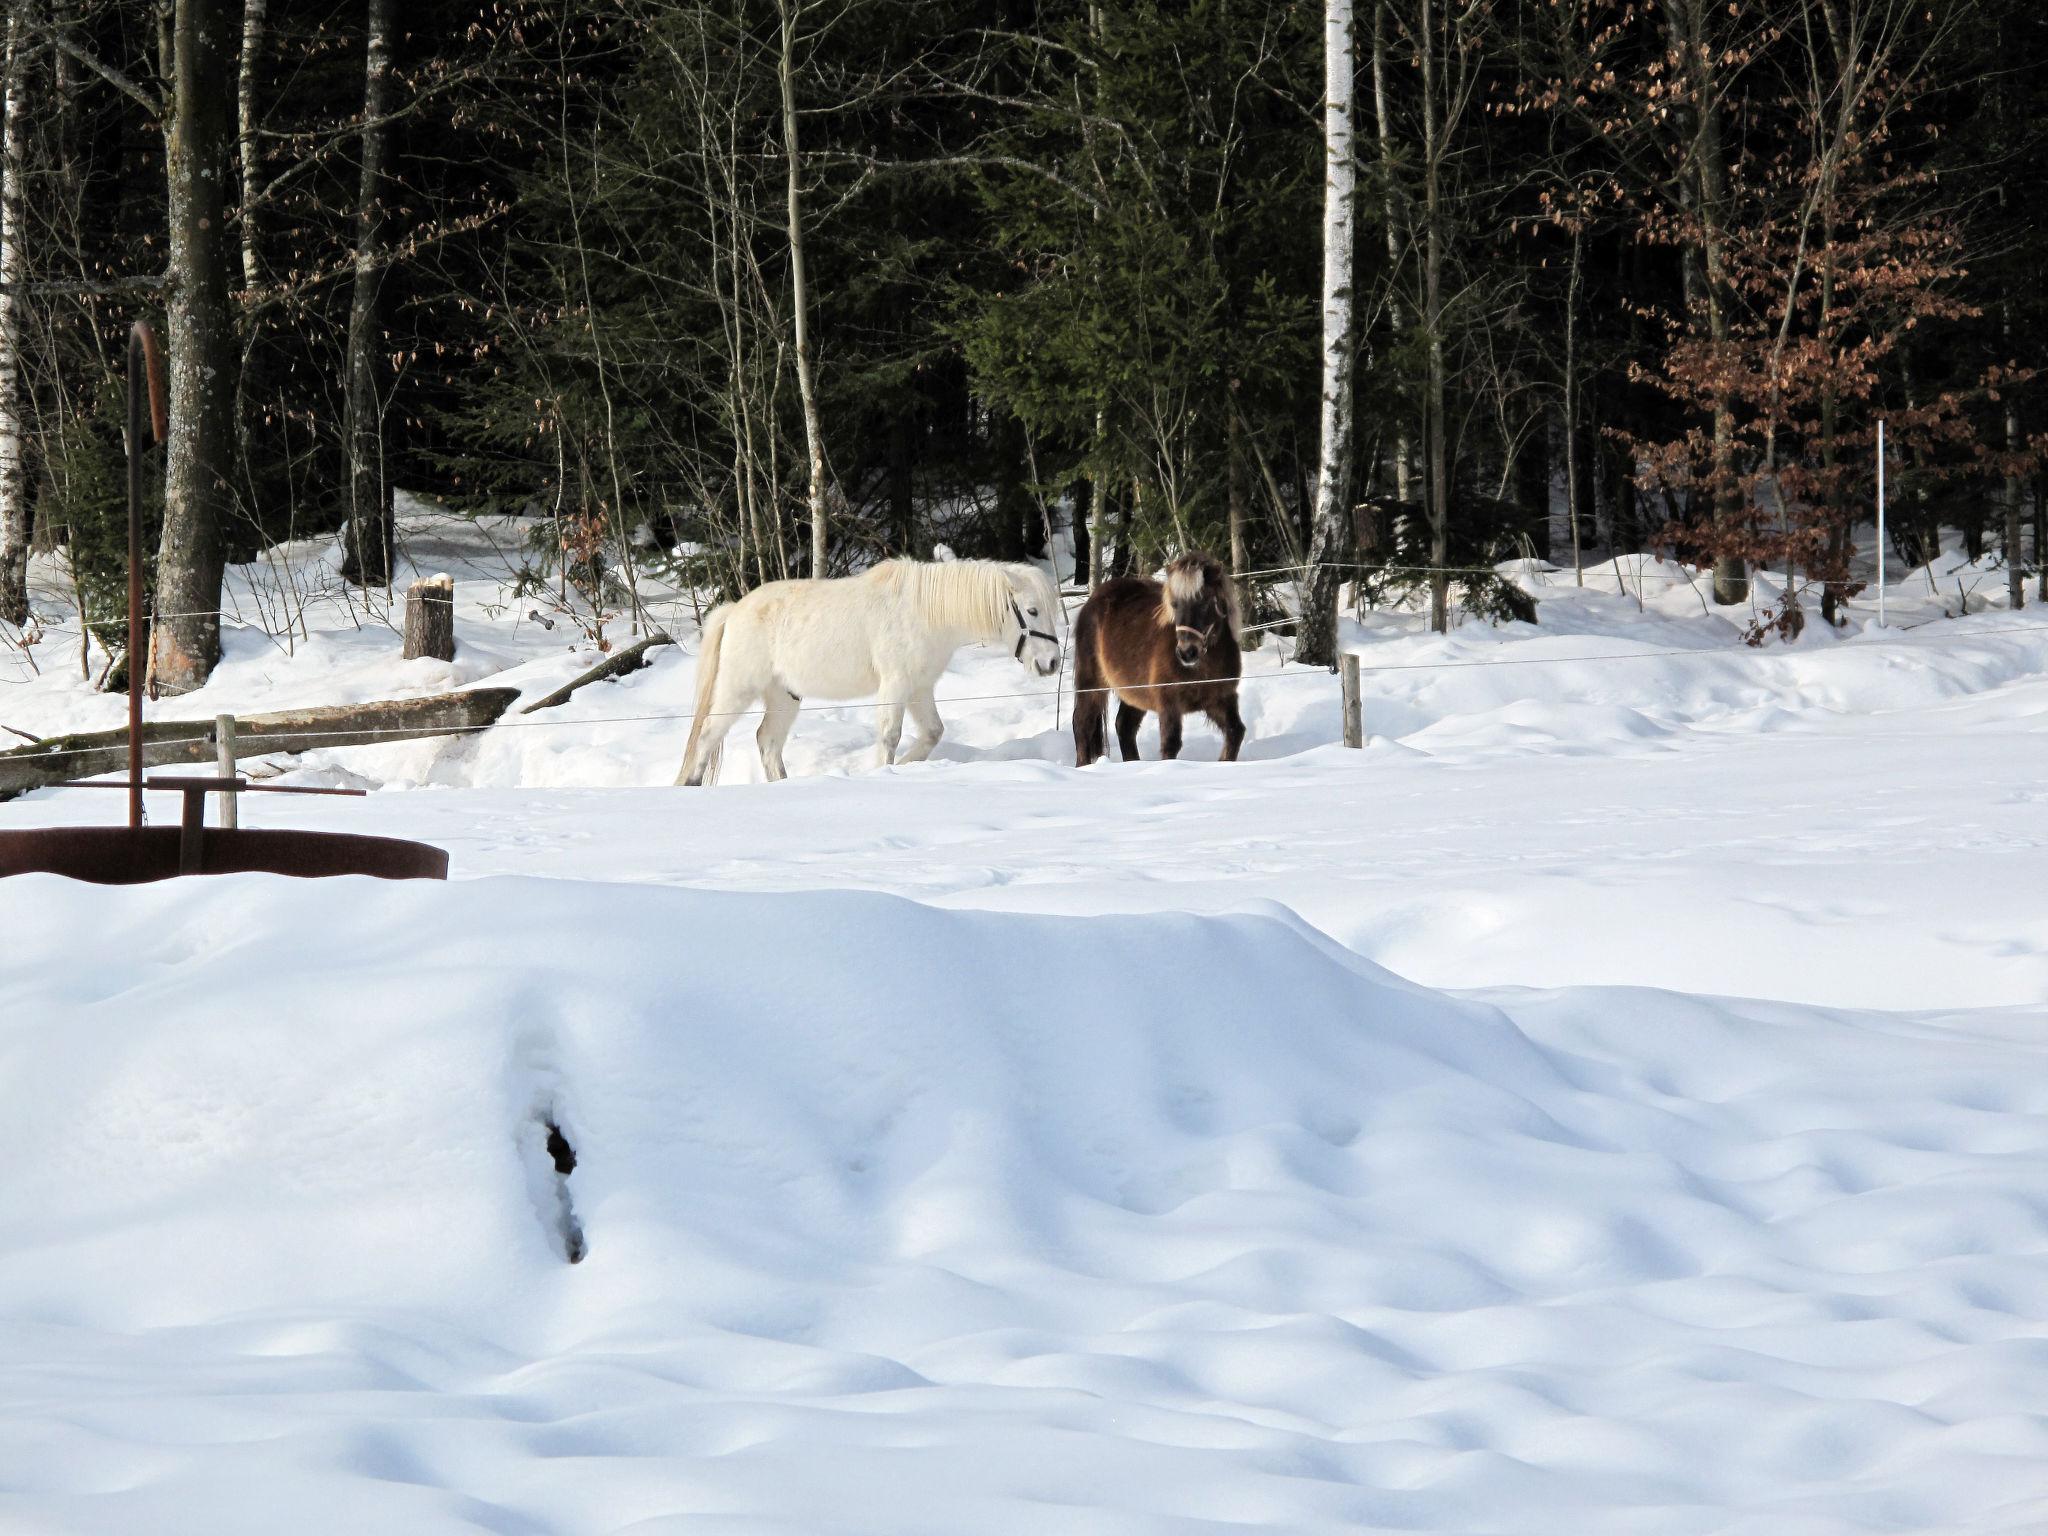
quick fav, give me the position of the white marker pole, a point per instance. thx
(1880, 522)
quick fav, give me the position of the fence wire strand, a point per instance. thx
(1260, 679)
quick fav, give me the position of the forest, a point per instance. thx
(1380, 292)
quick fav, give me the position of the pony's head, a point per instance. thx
(1200, 602)
(1035, 611)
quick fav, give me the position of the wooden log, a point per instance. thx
(631, 659)
(88, 753)
(430, 619)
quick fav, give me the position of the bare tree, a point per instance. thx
(370, 538)
(185, 641)
(814, 439)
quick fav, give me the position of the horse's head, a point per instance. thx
(1035, 609)
(1201, 605)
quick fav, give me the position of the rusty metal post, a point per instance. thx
(192, 830)
(144, 376)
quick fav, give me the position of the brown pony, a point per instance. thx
(1168, 647)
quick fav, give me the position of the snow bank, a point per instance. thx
(905, 1220)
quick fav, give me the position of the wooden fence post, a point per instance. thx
(1354, 708)
(224, 759)
(430, 618)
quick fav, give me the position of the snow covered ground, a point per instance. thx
(1611, 1102)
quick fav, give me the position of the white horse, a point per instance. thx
(889, 631)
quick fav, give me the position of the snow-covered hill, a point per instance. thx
(910, 1221)
(1335, 1141)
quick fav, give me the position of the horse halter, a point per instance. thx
(1026, 632)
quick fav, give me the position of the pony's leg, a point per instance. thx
(888, 725)
(1128, 718)
(1169, 733)
(726, 708)
(1226, 719)
(778, 718)
(924, 710)
(1088, 743)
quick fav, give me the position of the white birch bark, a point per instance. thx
(14, 511)
(1318, 639)
(255, 19)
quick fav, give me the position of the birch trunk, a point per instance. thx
(1403, 449)
(185, 640)
(371, 544)
(14, 510)
(255, 18)
(1317, 641)
(800, 299)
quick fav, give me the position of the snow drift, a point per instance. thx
(908, 1220)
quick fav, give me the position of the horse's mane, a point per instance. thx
(973, 595)
(1188, 575)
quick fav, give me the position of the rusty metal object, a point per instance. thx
(145, 373)
(192, 822)
(121, 856)
(134, 855)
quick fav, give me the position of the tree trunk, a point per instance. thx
(255, 18)
(1434, 445)
(1234, 469)
(372, 540)
(1316, 641)
(1098, 507)
(1403, 449)
(191, 559)
(1083, 497)
(1707, 157)
(1573, 466)
(902, 490)
(14, 508)
(2015, 446)
(430, 619)
(1017, 515)
(800, 300)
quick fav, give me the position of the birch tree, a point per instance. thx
(255, 18)
(1331, 539)
(14, 507)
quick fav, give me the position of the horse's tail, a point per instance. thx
(694, 771)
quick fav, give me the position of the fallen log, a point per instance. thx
(631, 659)
(84, 754)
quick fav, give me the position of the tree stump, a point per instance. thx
(430, 618)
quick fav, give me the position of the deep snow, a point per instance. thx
(1106, 1184)
(903, 1220)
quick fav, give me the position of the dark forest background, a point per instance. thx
(740, 290)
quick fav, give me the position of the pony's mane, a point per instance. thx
(1188, 575)
(973, 595)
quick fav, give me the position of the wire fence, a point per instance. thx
(1254, 680)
